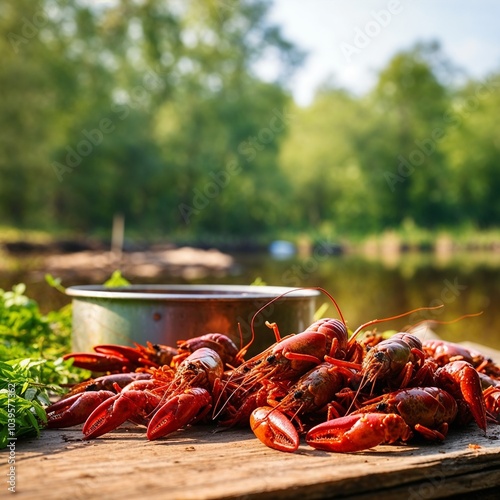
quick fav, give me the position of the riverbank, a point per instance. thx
(97, 265)
(407, 237)
(388, 246)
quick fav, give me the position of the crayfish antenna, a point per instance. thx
(274, 327)
(440, 322)
(243, 350)
(319, 288)
(362, 383)
(278, 338)
(249, 385)
(216, 413)
(390, 318)
(330, 296)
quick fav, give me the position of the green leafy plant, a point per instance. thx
(26, 332)
(30, 363)
(25, 389)
(116, 279)
(22, 399)
(31, 366)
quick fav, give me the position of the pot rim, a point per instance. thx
(190, 292)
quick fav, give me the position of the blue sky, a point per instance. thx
(352, 40)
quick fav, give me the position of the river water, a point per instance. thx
(364, 288)
(368, 289)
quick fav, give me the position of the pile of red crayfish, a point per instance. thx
(344, 393)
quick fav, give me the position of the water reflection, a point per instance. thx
(365, 288)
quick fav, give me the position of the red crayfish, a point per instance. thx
(343, 392)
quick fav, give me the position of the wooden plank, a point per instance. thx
(199, 464)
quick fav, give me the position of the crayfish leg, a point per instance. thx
(432, 434)
(406, 375)
(274, 327)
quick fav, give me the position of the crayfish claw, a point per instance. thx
(178, 411)
(274, 429)
(75, 409)
(99, 362)
(462, 380)
(116, 410)
(358, 432)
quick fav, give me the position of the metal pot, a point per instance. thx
(164, 314)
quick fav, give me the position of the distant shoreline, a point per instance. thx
(17, 242)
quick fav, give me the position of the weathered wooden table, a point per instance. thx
(198, 463)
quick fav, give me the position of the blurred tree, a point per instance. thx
(328, 191)
(221, 132)
(472, 146)
(136, 106)
(405, 164)
(361, 164)
(29, 85)
(155, 109)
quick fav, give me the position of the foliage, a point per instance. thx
(473, 150)
(21, 398)
(116, 279)
(160, 105)
(23, 328)
(321, 155)
(413, 152)
(25, 387)
(31, 366)
(258, 281)
(150, 100)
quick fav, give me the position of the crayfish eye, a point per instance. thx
(191, 366)
(381, 407)
(271, 359)
(298, 394)
(379, 356)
